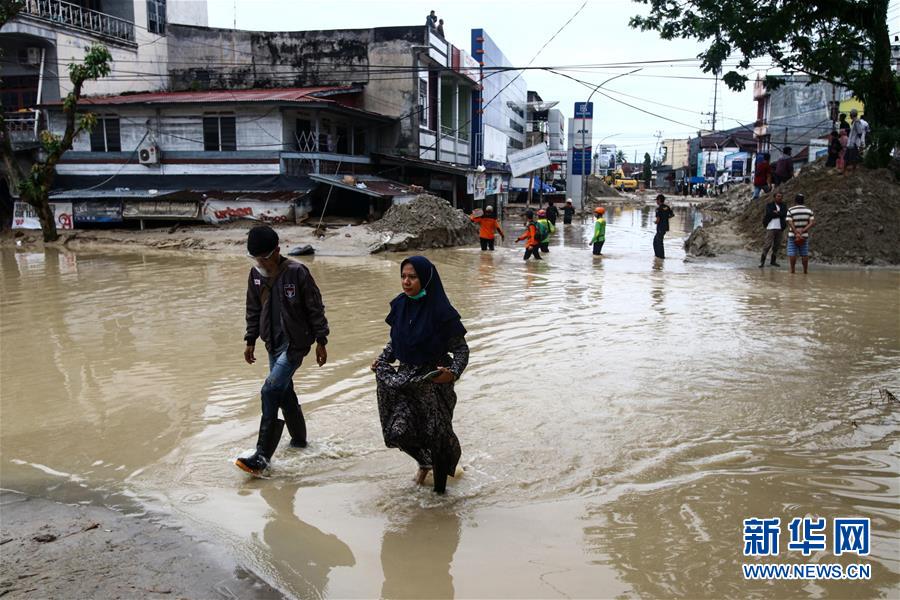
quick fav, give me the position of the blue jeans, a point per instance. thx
(279, 381)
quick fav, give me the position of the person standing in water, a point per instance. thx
(416, 398)
(285, 309)
(531, 235)
(545, 230)
(489, 228)
(599, 231)
(568, 211)
(663, 213)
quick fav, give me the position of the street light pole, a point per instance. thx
(583, 133)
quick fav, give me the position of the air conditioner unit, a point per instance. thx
(31, 56)
(149, 155)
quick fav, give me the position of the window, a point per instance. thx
(105, 135)
(306, 136)
(342, 133)
(423, 103)
(516, 126)
(219, 133)
(156, 16)
(359, 141)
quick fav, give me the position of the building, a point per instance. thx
(674, 165)
(220, 155)
(499, 115)
(48, 35)
(796, 114)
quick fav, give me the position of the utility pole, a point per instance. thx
(715, 100)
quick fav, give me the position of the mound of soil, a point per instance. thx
(597, 187)
(426, 222)
(857, 215)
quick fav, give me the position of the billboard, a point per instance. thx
(528, 160)
(581, 127)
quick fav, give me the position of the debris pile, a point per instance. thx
(426, 222)
(597, 187)
(857, 216)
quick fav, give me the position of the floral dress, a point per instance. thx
(417, 415)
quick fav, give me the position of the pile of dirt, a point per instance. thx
(734, 199)
(426, 222)
(857, 215)
(597, 187)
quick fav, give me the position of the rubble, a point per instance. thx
(698, 243)
(597, 187)
(426, 222)
(857, 215)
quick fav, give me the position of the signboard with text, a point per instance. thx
(581, 127)
(528, 160)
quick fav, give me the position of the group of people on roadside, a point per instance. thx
(847, 143)
(797, 221)
(541, 225)
(416, 396)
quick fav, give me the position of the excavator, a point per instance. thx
(620, 182)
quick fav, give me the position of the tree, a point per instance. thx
(34, 184)
(843, 42)
(620, 157)
(648, 170)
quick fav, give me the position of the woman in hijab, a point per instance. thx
(416, 398)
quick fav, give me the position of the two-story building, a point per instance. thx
(47, 35)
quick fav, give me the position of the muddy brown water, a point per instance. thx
(619, 418)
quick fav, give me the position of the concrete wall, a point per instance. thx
(797, 113)
(208, 58)
(181, 129)
(187, 12)
(677, 153)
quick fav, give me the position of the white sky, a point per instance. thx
(599, 34)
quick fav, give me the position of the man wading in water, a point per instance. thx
(284, 308)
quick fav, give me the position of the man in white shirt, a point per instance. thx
(774, 222)
(856, 141)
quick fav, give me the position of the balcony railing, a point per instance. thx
(22, 126)
(72, 15)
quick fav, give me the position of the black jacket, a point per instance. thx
(772, 212)
(302, 312)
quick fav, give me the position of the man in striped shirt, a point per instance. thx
(800, 220)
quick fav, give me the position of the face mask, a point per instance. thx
(418, 296)
(261, 270)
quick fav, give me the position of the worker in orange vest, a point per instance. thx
(489, 228)
(531, 235)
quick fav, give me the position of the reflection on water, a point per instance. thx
(410, 572)
(619, 418)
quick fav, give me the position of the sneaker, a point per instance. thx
(762, 265)
(774, 264)
(255, 465)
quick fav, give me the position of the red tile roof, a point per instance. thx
(308, 94)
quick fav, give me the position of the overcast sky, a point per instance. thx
(676, 91)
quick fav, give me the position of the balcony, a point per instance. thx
(22, 126)
(83, 19)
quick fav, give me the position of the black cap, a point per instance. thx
(261, 240)
(529, 213)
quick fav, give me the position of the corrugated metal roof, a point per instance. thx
(308, 94)
(370, 185)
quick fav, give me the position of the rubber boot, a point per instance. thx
(293, 418)
(440, 478)
(269, 436)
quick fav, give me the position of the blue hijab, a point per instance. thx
(421, 328)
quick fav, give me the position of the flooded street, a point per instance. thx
(619, 418)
